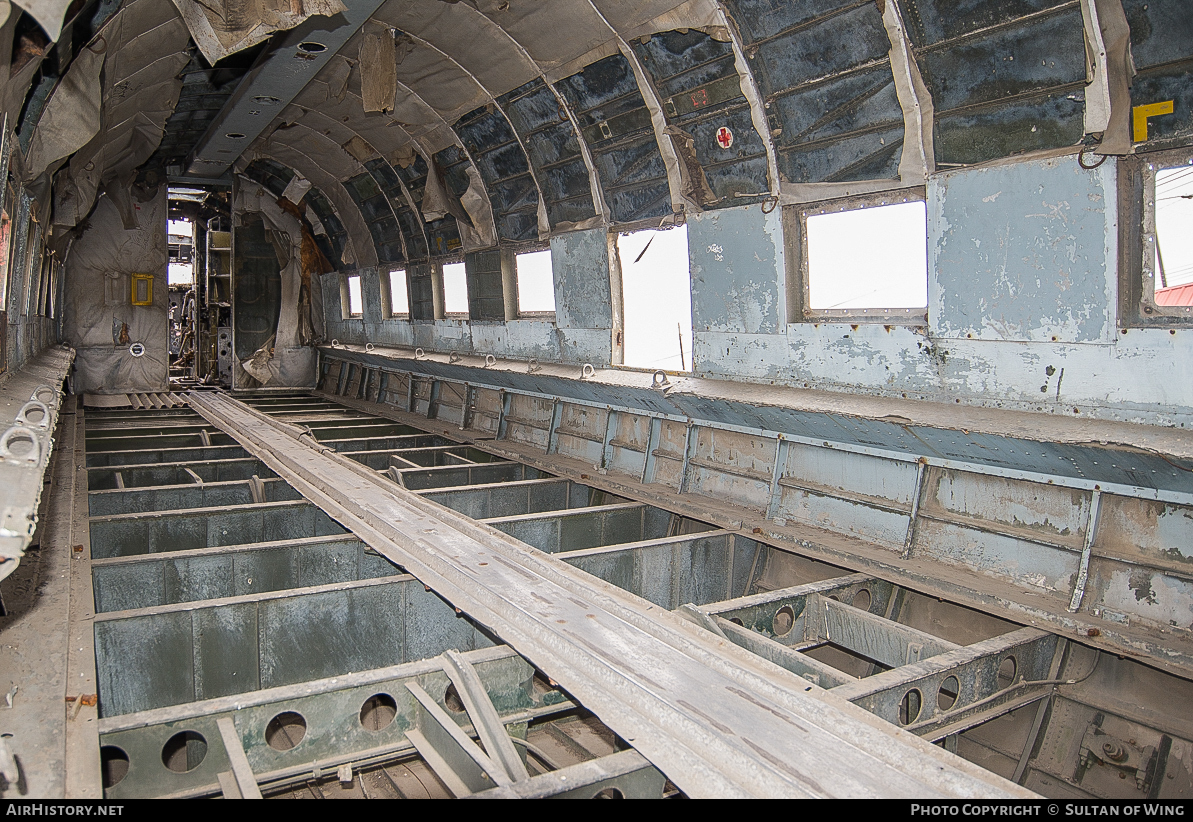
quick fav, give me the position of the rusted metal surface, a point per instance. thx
(718, 764)
(1006, 541)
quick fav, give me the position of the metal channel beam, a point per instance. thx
(356, 718)
(151, 580)
(624, 775)
(174, 654)
(126, 441)
(716, 720)
(590, 527)
(453, 475)
(384, 443)
(164, 531)
(512, 498)
(869, 635)
(154, 456)
(175, 473)
(194, 495)
(1018, 574)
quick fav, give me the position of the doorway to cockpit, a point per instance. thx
(199, 279)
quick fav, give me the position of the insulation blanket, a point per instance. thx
(283, 360)
(223, 27)
(99, 319)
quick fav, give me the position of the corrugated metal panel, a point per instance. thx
(614, 120)
(826, 81)
(443, 235)
(1004, 77)
(553, 148)
(1176, 295)
(696, 78)
(379, 217)
(503, 166)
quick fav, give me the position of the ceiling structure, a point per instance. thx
(530, 133)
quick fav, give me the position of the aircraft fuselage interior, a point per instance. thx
(597, 399)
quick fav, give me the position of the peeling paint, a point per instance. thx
(1032, 266)
(736, 257)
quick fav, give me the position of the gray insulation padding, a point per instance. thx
(98, 312)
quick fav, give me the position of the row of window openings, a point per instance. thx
(861, 260)
(536, 291)
(889, 270)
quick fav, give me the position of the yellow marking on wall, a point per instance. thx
(1141, 113)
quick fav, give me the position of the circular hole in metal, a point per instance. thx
(113, 765)
(35, 414)
(235, 135)
(266, 100)
(609, 793)
(451, 698)
(378, 712)
(44, 394)
(910, 706)
(311, 47)
(1006, 672)
(737, 621)
(20, 444)
(137, 349)
(285, 730)
(184, 751)
(861, 600)
(784, 621)
(946, 697)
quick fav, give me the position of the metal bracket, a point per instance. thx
(246, 783)
(1091, 529)
(462, 766)
(485, 721)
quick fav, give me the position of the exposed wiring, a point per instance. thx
(536, 752)
(1089, 166)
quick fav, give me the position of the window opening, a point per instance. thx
(536, 287)
(866, 262)
(455, 290)
(656, 292)
(356, 305)
(399, 297)
(1174, 240)
(180, 240)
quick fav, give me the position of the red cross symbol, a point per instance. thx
(724, 137)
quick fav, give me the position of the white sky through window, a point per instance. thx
(869, 258)
(656, 292)
(355, 300)
(455, 289)
(536, 289)
(399, 300)
(1174, 227)
(180, 274)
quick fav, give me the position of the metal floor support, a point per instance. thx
(717, 721)
(222, 594)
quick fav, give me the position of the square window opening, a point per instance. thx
(1168, 264)
(356, 306)
(536, 286)
(399, 296)
(180, 241)
(656, 292)
(455, 290)
(866, 260)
